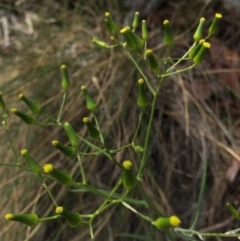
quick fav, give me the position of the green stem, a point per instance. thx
(62, 105)
(48, 218)
(145, 153)
(182, 58)
(81, 169)
(179, 71)
(135, 211)
(47, 116)
(140, 71)
(91, 231)
(10, 141)
(115, 188)
(138, 126)
(15, 165)
(120, 149)
(90, 188)
(200, 196)
(97, 124)
(46, 124)
(91, 153)
(90, 144)
(145, 49)
(49, 193)
(104, 152)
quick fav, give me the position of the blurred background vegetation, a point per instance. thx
(197, 115)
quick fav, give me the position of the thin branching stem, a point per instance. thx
(62, 106)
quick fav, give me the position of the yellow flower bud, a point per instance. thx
(91, 104)
(92, 131)
(167, 222)
(135, 20)
(28, 119)
(199, 56)
(68, 151)
(65, 79)
(34, 107)
(142, 96)
(144, 31)
(213, 28)
(128, 178)
(126, 32)
(99, 43)
(198, 33)
(73, 219)
(110, 24)
(72, 136)
(151, 59)
(34, 166)
(60, 176)
(196, 49)
(168, 37)
(28, 219)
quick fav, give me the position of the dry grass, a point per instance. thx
(197, 117)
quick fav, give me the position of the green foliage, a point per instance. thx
(136, 48)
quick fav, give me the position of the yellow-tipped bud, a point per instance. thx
(110, 24)
(167, 222)
(68, 151)
(47, 168)
(137, 40)
(199, 56)
(126, 32)
(59, 210)
(144, 31)
(92, 131)
(28, 219)
(73, 219)
(135, 20)
(151, 59)
(198, 33)
(168, 37)
(127, 164)
(100, 43)
(142, 96)
(72, 135)
(128, 178)
(91, 104)
(28, 119)
(132, 40)
(34, 166)
(65, 79)
(33, 106)
(196, 49)
(60, 176)
(213, 28)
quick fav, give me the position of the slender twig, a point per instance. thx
(81, 169)
(97, 124)
(140, 71)
(138, 126)
(62, 105)
(10, 141)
